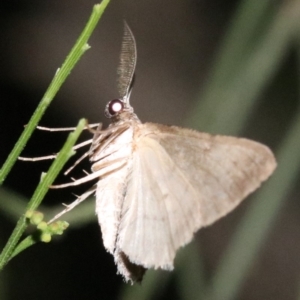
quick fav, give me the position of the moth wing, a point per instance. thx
(223, 169)
(161, 209)
(182, 180)
(109, 196)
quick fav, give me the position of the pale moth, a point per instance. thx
(157, 185)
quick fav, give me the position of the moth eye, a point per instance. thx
(114, 107)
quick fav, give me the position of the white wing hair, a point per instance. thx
(181, 181)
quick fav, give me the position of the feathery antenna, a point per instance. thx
(127, 64)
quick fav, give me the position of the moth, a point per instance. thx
(157, 185)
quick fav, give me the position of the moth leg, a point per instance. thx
(33, 159)
(103, 170)
(86, 172)
(88, 126)
(74, 203)
(80, 145)
(77, 162)
(104, 137)
(37, 158)
(80, 158)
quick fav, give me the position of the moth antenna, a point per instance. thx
(127, 64)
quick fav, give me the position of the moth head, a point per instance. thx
(114, 108)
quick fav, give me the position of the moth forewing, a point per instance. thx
(111, 188)
(109, 197)
(160, 210)
(222, 169)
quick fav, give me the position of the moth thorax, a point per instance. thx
(114, 108)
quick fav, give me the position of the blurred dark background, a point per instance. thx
(177, 43)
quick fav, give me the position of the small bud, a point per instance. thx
(46, 237)
(63, 225)
(42, 226)
(54, 227)
(36, 218)
(58, 227)
(29, 214)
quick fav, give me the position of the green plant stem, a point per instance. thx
(77, 51)
(41, 190)
(23, 245)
